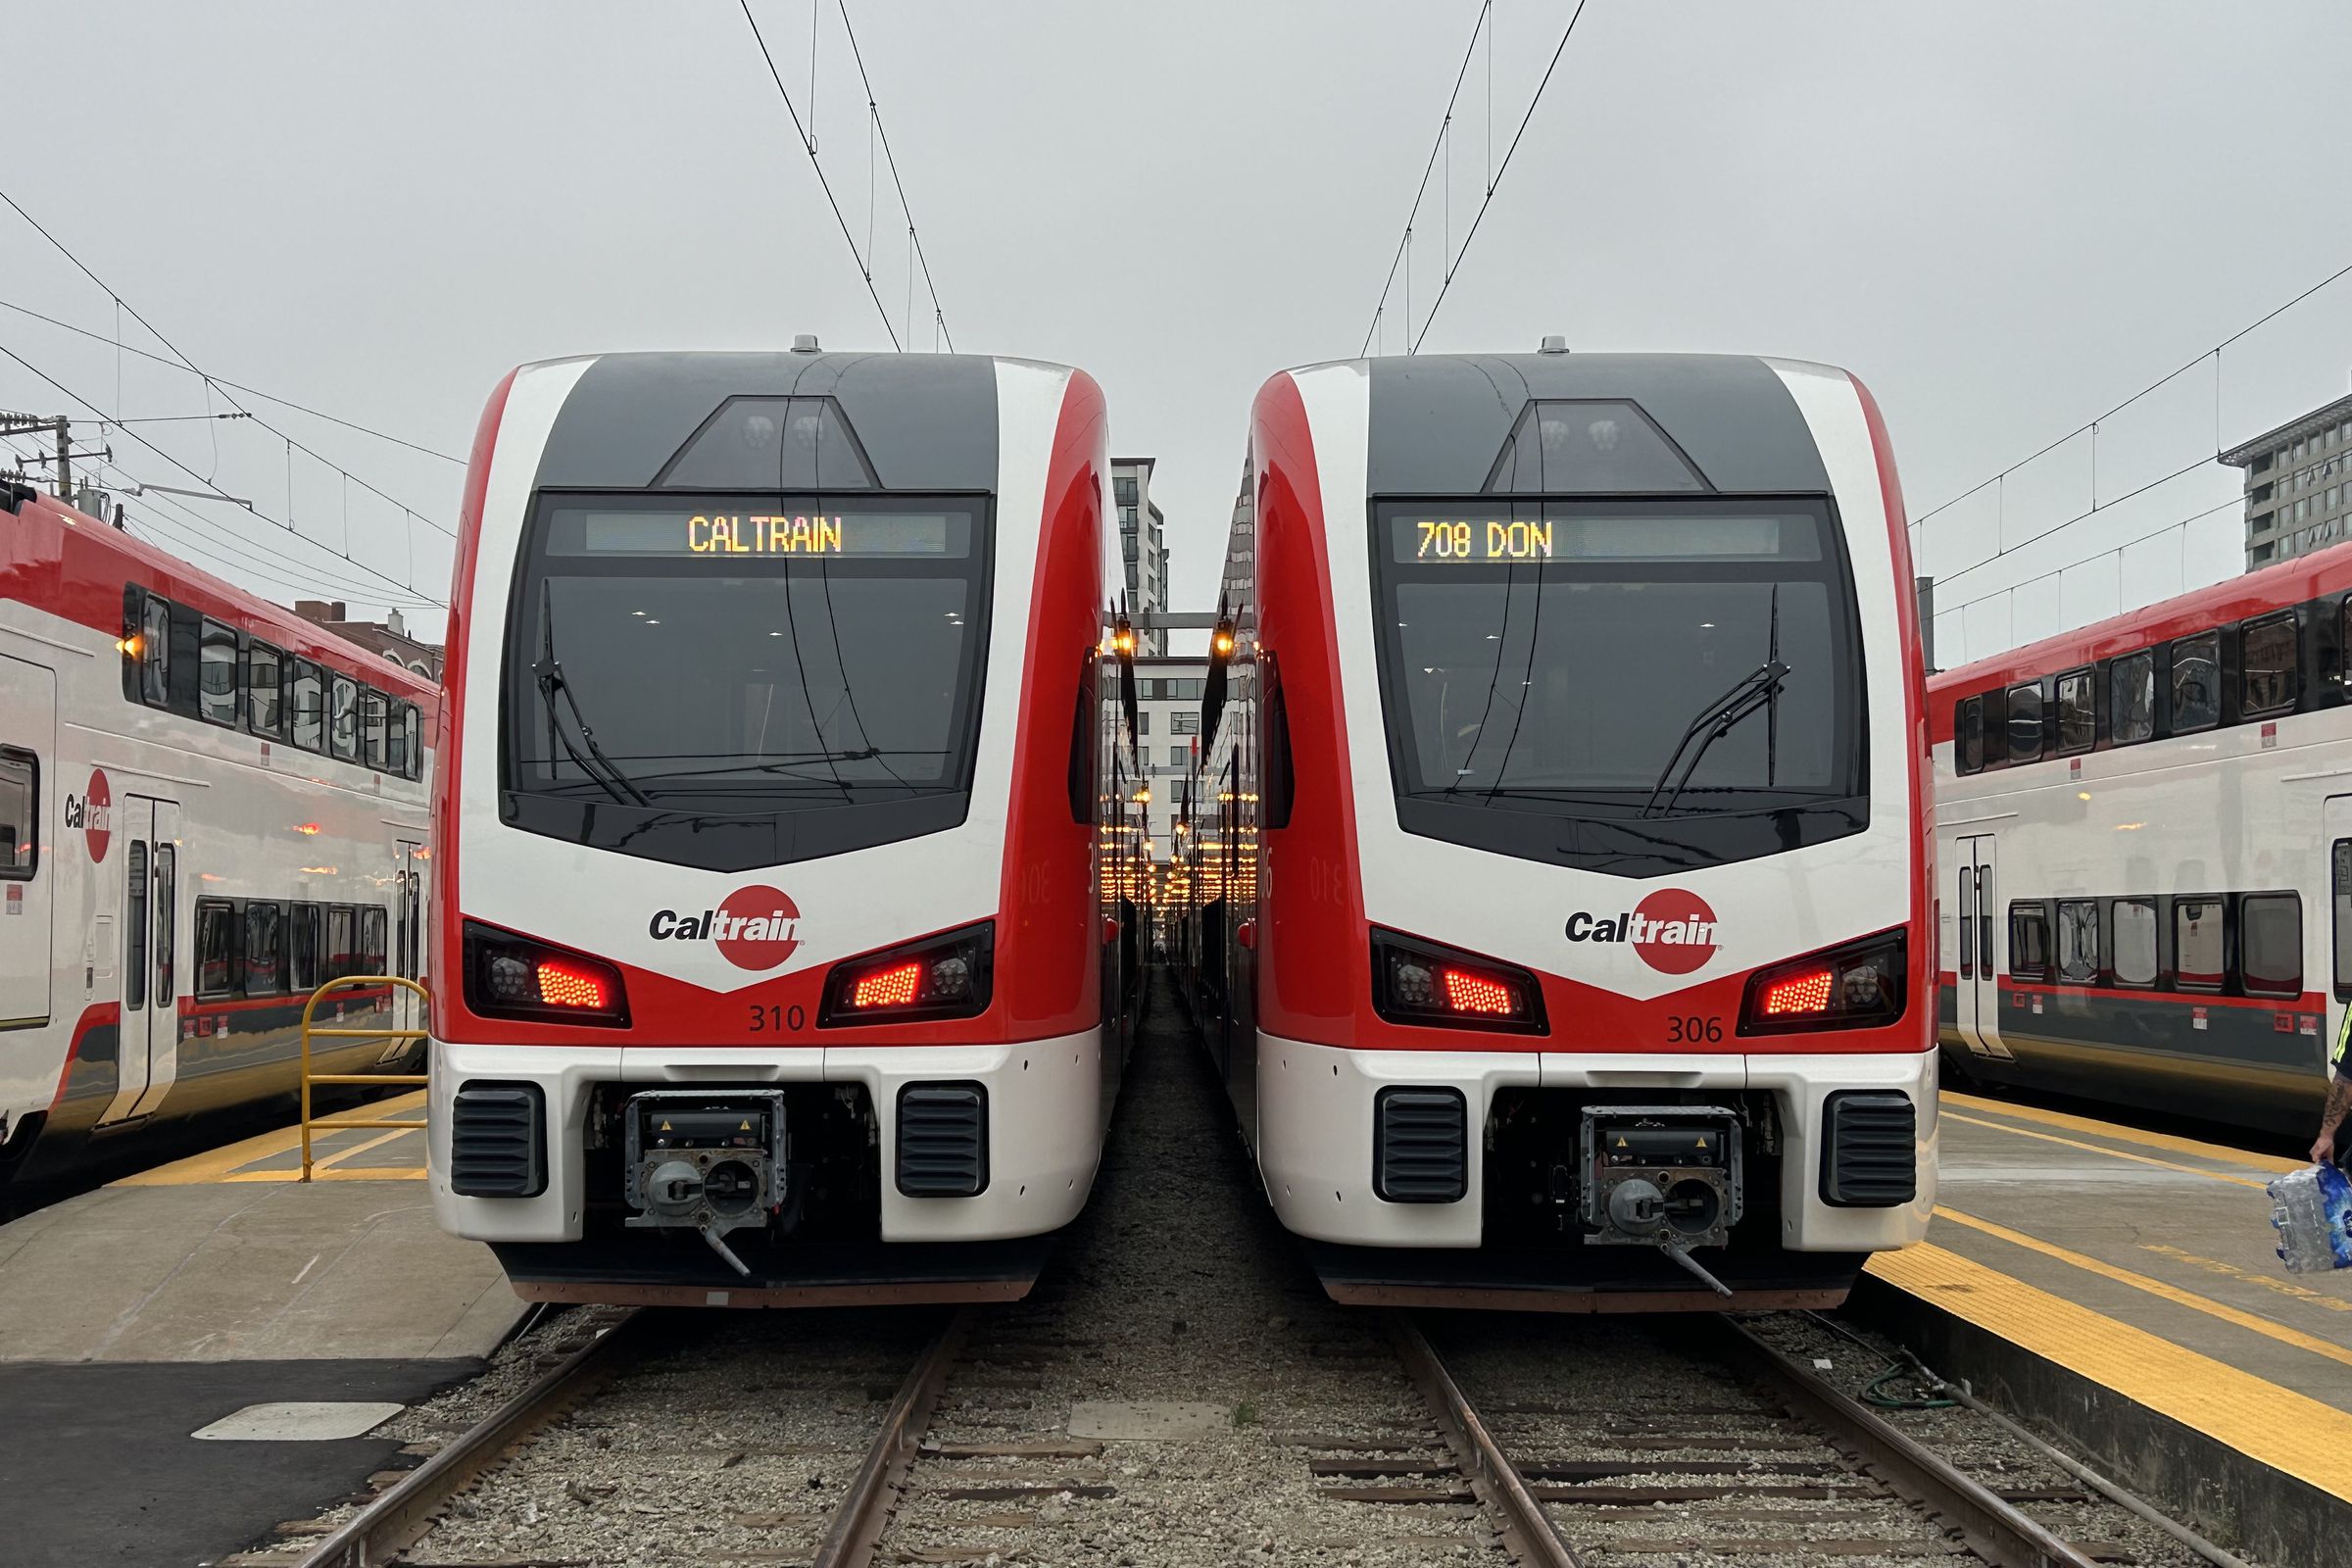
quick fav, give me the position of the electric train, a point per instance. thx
(1559, 845)
(777, 788)
(209, 807)
(2145, 845)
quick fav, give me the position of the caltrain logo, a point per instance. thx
(756, 928)
(1673, 931)
(93, 811)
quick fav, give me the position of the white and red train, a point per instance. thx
(208, 808)
(2144, 847)
(777, 783)
(1559, 843)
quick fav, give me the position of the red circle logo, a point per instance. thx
(98, 814)
(1674, 931)
(758, 927)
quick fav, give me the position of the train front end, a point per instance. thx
(766, 958)
(1589, 949)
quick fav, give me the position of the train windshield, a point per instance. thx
(735, 681)
(1635, 687)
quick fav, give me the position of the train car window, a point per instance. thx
(412, 720)
(2025, 723)
(374, 717)
(264, 954)
(2078, 941)
(135, 926)
(2269, 944)
(309, 707)
(396, 739)
(302, 949)
(20, 815)
(2196, 683)
(343, 717)
(2199, 952)
(341, 947)
(166, 922)
(375, 949)
(1968, 924)
(2077, 711)
(2339, 874)
(215, 947)
(2030, 941)
(2267, 659)
(265, 690)
(155, 651)
(2131, 696)
(1968, 735)
(2133, 942)
(217, 674)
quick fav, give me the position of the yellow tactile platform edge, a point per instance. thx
(226, 1163)
(2275, 1426)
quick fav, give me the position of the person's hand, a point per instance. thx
(2323, 1149)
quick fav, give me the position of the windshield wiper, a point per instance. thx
(1754, 691)
(550, 675)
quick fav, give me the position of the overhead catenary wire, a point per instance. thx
(1483, 21)
(938, 314)
(2115, 549)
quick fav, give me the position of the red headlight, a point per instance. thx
(894, 987)
(572, 985)
(1856, 986)
(1419, 982)
(509, 976)
(944, 976)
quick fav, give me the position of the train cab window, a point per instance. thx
(135, 926)
(2131, 698)
(265, 690)
(374, 717)
(309, 707)
(2339, 890)
(2269, 944)
(217, 674)
(264, 952)
(343, 717)
(155, 651)
(302, 949)
(341, 947)
(2196, 683)
(215, 947)
(2268, 667)
(2199, 952)
(2025, 723)
(374, 949)
(2079, 942)
(20, 815)
(2077, 711)
(2132, 946)
(1968, 735)
(2030, 941)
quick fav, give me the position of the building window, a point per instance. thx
(2270, 942)
(20, 816)
(2079, 942)
(1123, 489)
(1142, 722)
(217, 674)
(2197, 945)
(1187, 722)
(2135, 938)
(2028, 941)
(1179, 755)
(264, 693)
(1127, 521)
(2077, 711)
(2267, 682)
(2196, 682)
(2025, 723)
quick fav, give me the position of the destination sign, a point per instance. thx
(1472, 539)
(1665, 536)
(729, 535)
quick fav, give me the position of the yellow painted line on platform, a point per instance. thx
(377, 1142)
(2129, 1134)
(2111, 1154)
(2155, 1287)
(226, 1163)
(2286, 1287)
(340, 1173)
(2289, 1432)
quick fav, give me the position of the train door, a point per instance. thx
(28, 734)
(408, 934)
(2338, 821)
(1978, 890)
(147, 1049)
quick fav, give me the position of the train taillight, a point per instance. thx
(1420, 982)
(508, 976)
(944, 976)
(1856, 986)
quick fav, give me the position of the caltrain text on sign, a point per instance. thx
(757, 535)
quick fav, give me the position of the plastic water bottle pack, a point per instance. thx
(2312, 1210)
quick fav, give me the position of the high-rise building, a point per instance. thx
(2298, 484)
(1237, 593)
(1143, 539)
(1167, 713)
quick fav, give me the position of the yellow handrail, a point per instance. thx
(423, 997)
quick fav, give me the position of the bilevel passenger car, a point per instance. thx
(208, 808)
(776, 966)
(1560, 856)
(2144, 841)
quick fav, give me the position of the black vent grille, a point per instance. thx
(943, 1139)
(1420, 1145)
(495, 1147)
(1869, 1150)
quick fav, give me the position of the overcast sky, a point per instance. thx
(2005, 218)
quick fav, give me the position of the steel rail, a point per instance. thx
(402, 1513)
(856, 1529)
(1996, 1531)
(1527, 1532)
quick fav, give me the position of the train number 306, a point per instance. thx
(1692, 1029)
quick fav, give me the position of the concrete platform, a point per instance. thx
(2121, 1287)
